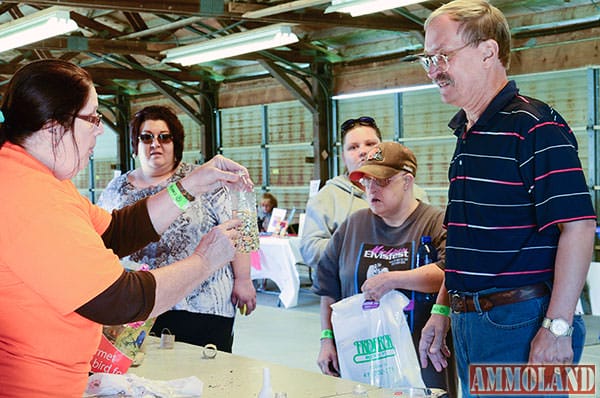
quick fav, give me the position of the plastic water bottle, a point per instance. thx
(426, 254)
(266, 390)
(359, 391)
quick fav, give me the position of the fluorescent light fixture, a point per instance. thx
(363, 7)
(284, 7)
(232, 45)
(40, 25)
(383, 92)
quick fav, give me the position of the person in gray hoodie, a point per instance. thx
(340, 197)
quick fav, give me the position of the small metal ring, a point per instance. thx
(209, 351)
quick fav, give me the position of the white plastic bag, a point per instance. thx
(130, 385)
(373, 341)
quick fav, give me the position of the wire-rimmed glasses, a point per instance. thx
(440, 61)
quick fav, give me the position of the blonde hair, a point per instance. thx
(479, 21)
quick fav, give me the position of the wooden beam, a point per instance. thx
(556, 57)
(281, 76)
(136, 21)
(93, 24)
(558, 39)
(170, 93)
(255, 92)
(284, 7)
(178, 7)
(100, 73)
(192, 7)
(317, 18)
(103, 46)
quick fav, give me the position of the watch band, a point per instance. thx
(547, 323)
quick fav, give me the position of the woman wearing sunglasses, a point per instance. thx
(206, 315)
(60, 275)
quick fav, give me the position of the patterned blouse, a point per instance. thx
(180, 239)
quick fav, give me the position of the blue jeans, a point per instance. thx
(502, 335)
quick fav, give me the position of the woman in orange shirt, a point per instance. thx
(60, 275)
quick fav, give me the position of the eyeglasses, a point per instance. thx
(95, 119)
(440, 61)
(163, 138)
(380, 182)
(361, 121)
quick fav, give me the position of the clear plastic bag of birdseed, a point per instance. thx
(243, 205)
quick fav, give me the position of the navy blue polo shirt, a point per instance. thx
(514, 176)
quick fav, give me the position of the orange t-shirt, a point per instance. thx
(52, 261)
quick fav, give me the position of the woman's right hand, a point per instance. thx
(327, 360)
(215, 173)
(377, 286)
(217, 247)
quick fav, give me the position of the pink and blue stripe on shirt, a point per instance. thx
(514, 176)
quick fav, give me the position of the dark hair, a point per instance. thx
(350, 124)
(271, 198)
(42, 91)
(166, 114)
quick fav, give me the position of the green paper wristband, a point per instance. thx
(177, 197)
(326, 334)
(440, 309)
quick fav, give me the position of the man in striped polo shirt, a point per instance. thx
(520, 220)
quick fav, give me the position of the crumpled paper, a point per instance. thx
(130, 385)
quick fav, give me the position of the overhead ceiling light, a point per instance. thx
(284, 7)
(40, 25)
(363, 7)
(232, 45)
(386, 91)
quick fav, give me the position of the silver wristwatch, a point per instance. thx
(558, 327)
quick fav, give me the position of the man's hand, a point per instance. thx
(433, 342)
(546, 348)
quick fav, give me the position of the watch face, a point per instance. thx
(559, 327)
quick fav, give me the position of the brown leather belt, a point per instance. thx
(464, 303)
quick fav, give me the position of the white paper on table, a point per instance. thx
(277, 216)
(130, 385)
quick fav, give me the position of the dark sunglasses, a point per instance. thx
(95, 119)
(361, 121)
(163, 138)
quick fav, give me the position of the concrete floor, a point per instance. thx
(290, 337)
(284, 336)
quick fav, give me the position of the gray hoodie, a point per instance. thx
(326, 210)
